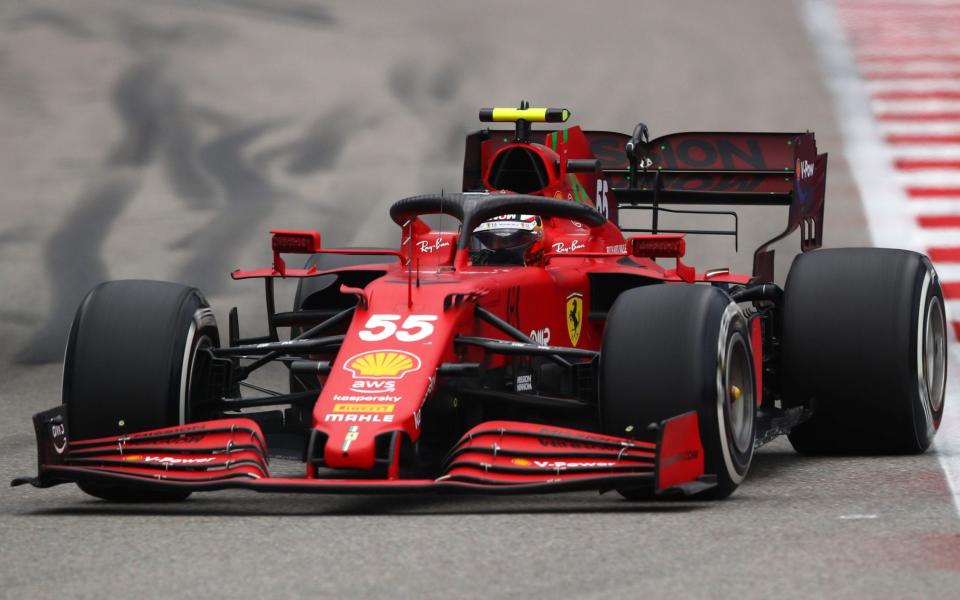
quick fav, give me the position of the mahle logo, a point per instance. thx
(382, 364)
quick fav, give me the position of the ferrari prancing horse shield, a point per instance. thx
(574, 316)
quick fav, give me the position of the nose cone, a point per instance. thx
(370, 393)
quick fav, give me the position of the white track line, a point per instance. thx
(950, 272)
(915, 105)
(940, 151)
(934, 207)
(953, 309)
(928, 178)
(921, 66)
(885, 203)
(915, 237)
(919, 127)
(913, 52)
(879, 86)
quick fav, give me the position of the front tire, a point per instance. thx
(131, 359)
(672, 348)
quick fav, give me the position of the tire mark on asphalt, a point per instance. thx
(73, 262)
(402, 81)
(249, 194)
(180, 149)
(292, 11)
(248, 197)
(152, 40)
(55, 20)
(159, 124)
(445, 83)
(320, 147)
(158, 117)
(295, 10)
(72, 255)
(428, 91)
(135, 98)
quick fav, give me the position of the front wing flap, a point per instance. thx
(494, 457)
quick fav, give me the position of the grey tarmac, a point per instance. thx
(164, 139)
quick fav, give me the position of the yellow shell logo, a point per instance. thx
(383, 364)
(521, 462)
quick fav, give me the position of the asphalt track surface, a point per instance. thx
(163, 139)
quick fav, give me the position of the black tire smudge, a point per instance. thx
(72, 255)
(320, 147)
(319, 150)
(300, 12)
(446, 82)
(402, 80)
(55, 20)
(73, 263)
(249, 197)
(180, 146)
(135, 99)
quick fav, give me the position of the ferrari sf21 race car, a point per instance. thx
(521, 342)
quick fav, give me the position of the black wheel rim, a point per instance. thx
(935, 354)
(739, 397)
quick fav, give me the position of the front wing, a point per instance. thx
(496, 457)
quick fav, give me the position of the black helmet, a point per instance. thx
(507, 240)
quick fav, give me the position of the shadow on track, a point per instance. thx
(387, 506)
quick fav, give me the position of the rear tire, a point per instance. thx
(864, 346)
(131, 357)
(672, 348)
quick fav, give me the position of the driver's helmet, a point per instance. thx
(508, 240)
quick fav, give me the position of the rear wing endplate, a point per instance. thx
(707, 168)
(701, 168)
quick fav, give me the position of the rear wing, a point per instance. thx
(702, 168)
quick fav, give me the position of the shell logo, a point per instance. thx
(521, 462)
(382, 364)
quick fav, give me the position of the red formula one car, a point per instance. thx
(520, 343)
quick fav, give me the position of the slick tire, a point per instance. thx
(865, 347)
(674, 348)
(305, 298)
(131, 357)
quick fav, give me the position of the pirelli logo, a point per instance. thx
(362, 408)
